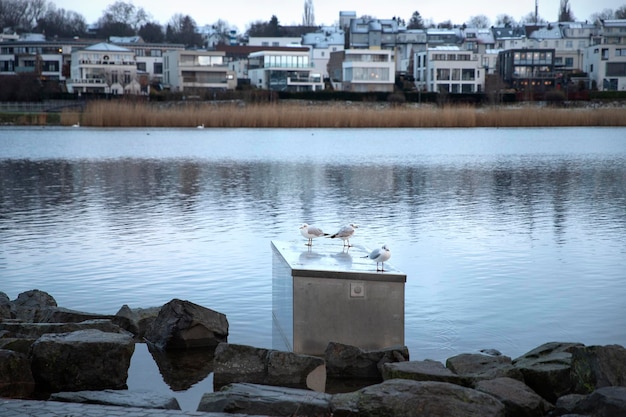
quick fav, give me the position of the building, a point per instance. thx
(104, 68)
(322, 43)
(605, 60)
(197, 71)
(285, 70)
(362, 70)
(449, 69)
(530, 70)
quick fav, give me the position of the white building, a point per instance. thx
(197, 71)
(103, 68)
(284, 71)
(368, 70)
(449, 69)
(322, 43)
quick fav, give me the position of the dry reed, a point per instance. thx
(333, 115)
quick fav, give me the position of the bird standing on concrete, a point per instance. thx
(311, 232)
(380, 255)
(345, 233)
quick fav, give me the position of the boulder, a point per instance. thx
(477, 367)
(121, 398)
(139, 319)
(16, 379)
(5, 307)
(567, 404)
(29, 305)
(254, 399)
(402, 397)
(518, 399)
(598, 366)
(604, 402)
(183, 324)
(81, 360)
(66, 315)
(183, 368)
(426, 370)
(240, 363)
(35, 330)
(546, 369)
(345, 361)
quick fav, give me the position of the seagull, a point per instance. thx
(200, 126)
(77, 124)
(345, 233)
(311, 232)
(380, 255)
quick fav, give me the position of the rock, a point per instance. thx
(121, 398)
(345, 361)
(604, 402)
(81, 360)
(139, 319)
(546, 369)
(427, 370)
(598, 366)
(183, 324)
(239, 363)
(65, 315)
(35, 330)
(5, 307)
(29, 304)
(567, 404)
(266, 400)
(518, 399)
(478, 367)
(401, 397)
(16, 379)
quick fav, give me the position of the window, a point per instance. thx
(156, 52)
(616, 69)
(468, 74)
(141, 66)
(443, 74)
(569, 62)
(157, 68)
(620, 52)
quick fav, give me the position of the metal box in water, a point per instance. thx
(325, 294)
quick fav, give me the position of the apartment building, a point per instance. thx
(530, 70)
(197, 71)
(362, 70)
(285, 70)
(449, 69)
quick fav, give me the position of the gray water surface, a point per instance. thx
(510, 238)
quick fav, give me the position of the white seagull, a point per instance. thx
(311, 232)
(345, 233)
(380, 255)
(200, 126)
(77, 124)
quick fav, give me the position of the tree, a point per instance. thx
(505, 20)
(152, 32)
(603, 15)
(183, 29)
(308, 17)
(532, 19)
(446, 24)
(479, 21)
(61, 23)
(416, 21)
(21, 15)
(222, 29)
(620, 12)
(565, 12)
(121, 19)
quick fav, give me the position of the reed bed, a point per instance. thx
(335, 115)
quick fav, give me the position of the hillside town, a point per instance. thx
(357, 54)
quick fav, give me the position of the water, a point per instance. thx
(510, 238)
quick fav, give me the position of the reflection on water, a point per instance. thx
(509, 237)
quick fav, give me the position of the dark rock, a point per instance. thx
(183, 324)
(82, 360)
(240, 363)
(546, 369)
(29, 304)
(35, 330)
(65, 315)
(266, 400)
(121, 398)
(139, 319)
(478, 367)
(604, 402)
(16, 379)
(401, 397)
(598, 366)
(427, 370)
(17, 345)
(183, 368)
(5, 307)
(567, 404)
(518, 399)
(345, 361)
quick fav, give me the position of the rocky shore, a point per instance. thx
(55, 354)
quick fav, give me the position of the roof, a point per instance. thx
(103, 46)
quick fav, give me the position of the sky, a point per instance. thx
(240, 13)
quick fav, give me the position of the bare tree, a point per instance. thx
(478, 21)
(603, 15)
(21, 15)
(620, 12)
(122, 14)
(505, 20)
(308, 17)
(532, 19)
(565, 12)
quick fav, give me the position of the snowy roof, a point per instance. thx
(103, 46)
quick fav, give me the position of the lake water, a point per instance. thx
(510, 238)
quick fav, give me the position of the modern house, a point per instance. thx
(449, 69)
(362, 70)
(196, 71)
(285, 70)
(529, 70)
(105, 68)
